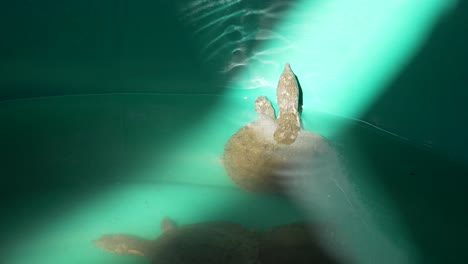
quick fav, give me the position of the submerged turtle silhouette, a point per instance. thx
(220, 242)
(209, 242)
(257, 150)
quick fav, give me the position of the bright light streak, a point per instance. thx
(344, 52)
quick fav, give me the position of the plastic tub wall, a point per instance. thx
(114, 114)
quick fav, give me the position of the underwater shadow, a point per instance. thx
(219, 241)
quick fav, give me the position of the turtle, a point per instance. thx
(254, 153)
(221, 242)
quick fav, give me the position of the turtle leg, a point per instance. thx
(287, 94)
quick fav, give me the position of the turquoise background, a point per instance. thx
(114, 114)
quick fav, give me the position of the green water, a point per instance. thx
(76, 167)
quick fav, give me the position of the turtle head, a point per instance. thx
(122, 244)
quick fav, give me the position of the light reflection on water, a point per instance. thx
(233, 37)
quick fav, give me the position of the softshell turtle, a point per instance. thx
(221, 242)
(260, 148)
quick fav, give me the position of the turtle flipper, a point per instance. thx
(287, 95)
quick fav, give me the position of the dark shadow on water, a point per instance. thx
(221, 242)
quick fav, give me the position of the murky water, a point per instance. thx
(77, 167)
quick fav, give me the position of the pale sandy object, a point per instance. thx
(254, 154)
